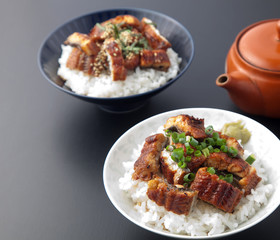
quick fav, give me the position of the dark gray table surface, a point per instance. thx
(53, 146)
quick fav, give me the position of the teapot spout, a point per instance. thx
(243, 91)
(224, 81)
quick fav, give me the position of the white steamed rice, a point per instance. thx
(204, 219)
(138, 81)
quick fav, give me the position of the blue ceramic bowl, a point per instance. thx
(50, 52)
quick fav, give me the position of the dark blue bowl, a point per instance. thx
(50, 51)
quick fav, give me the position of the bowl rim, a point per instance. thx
(169, 82)
(169, 234)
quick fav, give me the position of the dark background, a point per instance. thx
(53, 146)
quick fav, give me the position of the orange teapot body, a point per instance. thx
(252, 76)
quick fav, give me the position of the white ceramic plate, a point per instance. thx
(263, 143)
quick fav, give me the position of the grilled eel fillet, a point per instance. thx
(84, 42)
(155, 39)
(115, 59)
(176, 200)
(247, 175)
(132, 61)
(195, 127)
(98, 32)
(237, 166)
(188, 124)
(170, 170)
(221, 161)
(250, 181)
(157, 59)
(127, 20)
(78, 60)
(147, 165)
(215, 191)
(103, 34)
(232, 142)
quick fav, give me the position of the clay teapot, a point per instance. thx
(252, 76)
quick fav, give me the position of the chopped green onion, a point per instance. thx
(170, 148)
(215, 135)
(188, 158)
(211, 149)
(250, 159)
(175, 137)
(182, 164)
(228, 178)
(187, 144)
(220, 141)
(209, 141)
(182, 137)
(203, 145)
(209, 130)
(182, 140)
(189, 150)
(177, 154)
(189, 177)
(206, 152)
(197, 153)
(198, 147)
(211, 170)
(193, 142)
(168, 133)
(217, 150)
(233, 151)
(224, 148)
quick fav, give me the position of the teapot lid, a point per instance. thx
(260, 45)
